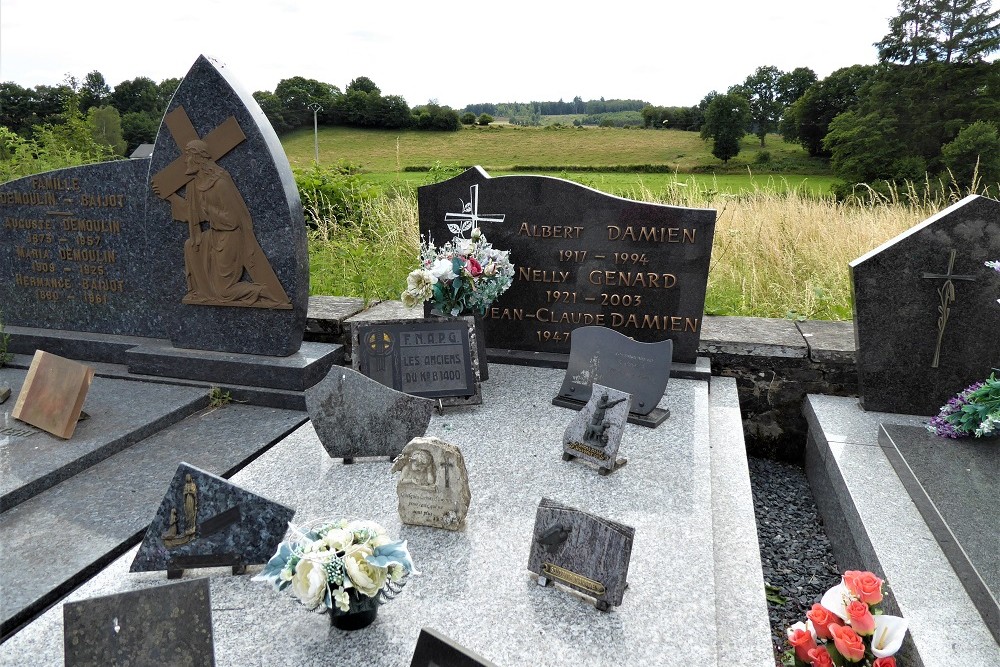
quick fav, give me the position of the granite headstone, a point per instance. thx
(356, 416)
(582, 258)
(162, 625)
(206, 521)
(926, 318)
(582, 551)
(595, 433)
(436, 650)
(433, 488)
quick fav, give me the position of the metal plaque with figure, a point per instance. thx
(595, 433)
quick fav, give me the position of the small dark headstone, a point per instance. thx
(595, 433)
(432, 358)
(582, 551)
(206, 521)
(356, 416)
(926, 317)
(615, 360)
(162, 625)
(435, 650)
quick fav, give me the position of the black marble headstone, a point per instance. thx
(926, 318)
(206, 521)
(162, 625)
(954, 485)
(581, 551)
(435, 650)
(581, 258)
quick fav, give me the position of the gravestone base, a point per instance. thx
(701, 369)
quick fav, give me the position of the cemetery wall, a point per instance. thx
(775, 362)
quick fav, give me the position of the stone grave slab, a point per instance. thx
(356, 416)
(205, 521)
(436, 650)
(595, 433)
(53, 393)
(925, 312)
(162, 625)
(614, 360)
(433, 487)
(582, 551)
(954, 485)
(582, 258)
(4, 393)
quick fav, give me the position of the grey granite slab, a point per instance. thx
(873, 525)
(121, 414)
(326, 314)
(80, 345)
(829, 342)
(757, 336)
(92, 517)
(474, 585)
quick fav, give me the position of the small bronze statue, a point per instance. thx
(597, 427)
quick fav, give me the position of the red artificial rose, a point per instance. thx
(802, 641)
(474, 268)
(848, 642)
(861, 618)
(821, 618)
(820, 657)
(885, 662)
(864, 585)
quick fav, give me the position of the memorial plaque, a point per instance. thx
(433, 488)
(585, 552)
(206, 521)
(582, 258)
(615, 360)
(432, 358)
(162, 625)
(435, 650)
(595, 433)
(53, 393)
(926, 318)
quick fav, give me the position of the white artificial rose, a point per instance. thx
(309, 583)
(338, 539)
(410, 299)
(380, 540)
(442, 269)
(367, 578)
(420, 279)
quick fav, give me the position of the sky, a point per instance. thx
(666, 52)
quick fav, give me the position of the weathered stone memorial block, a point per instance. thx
(582, 258)
(582, 551)
(4, 393)
(162, 625)
(206, 521)
(202, 243)
(433, 358)
(602, 355)
(433, 489)
(595, 433)
(954, 485)
(53, 393)
(926, 318)
(356, 416)
(436, 650)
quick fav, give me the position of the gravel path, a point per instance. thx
(794, 550)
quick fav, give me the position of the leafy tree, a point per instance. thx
(394, 112)
(139, 94)
(484, 119)
(941, 31)
(868, 148)
(726, 121)
(975, 151)
(274, 110)
(139, 127)
(106, 128)
(793, 85)
(807, 120)
(362, 84)
(95, 90)
(165, 90)
(18, 108)
(297, 93)
(468, 118)
(761, 91)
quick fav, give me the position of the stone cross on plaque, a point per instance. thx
(947, 294)
(470, 217)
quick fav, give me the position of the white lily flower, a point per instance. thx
(888, 637)
(836, 600)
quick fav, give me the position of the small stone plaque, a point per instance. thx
(356, 416)
(433, 489)
(435, 650)
(433, 358)
(206, 521)
(4, 393)
(162, 625)
(595, 433)
(582, 551)
(53, 393)
(615, 360)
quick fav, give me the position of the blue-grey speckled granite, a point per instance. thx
(870, 518)
(474, 585)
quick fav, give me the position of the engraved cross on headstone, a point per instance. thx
(947, 294)
(224, 138)
(447, 466)
(470, 218)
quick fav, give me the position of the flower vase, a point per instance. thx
(354, 620)
(484, 369)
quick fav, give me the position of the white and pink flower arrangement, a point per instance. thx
(847, 627)
(462, 277)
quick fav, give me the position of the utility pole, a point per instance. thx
(316, 108)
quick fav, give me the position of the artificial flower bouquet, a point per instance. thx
(462, 277)
(847, 628)
(342, 566)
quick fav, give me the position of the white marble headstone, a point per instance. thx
(433, 489)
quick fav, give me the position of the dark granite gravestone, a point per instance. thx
(582, 551)
(356, 416)
(954, 485)
(595, 433)
(433, 358)
(602, 355)
(206, 521)
(926, 317)
(162, 625)
(435, 650)
(582, 258)
(96, 249)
